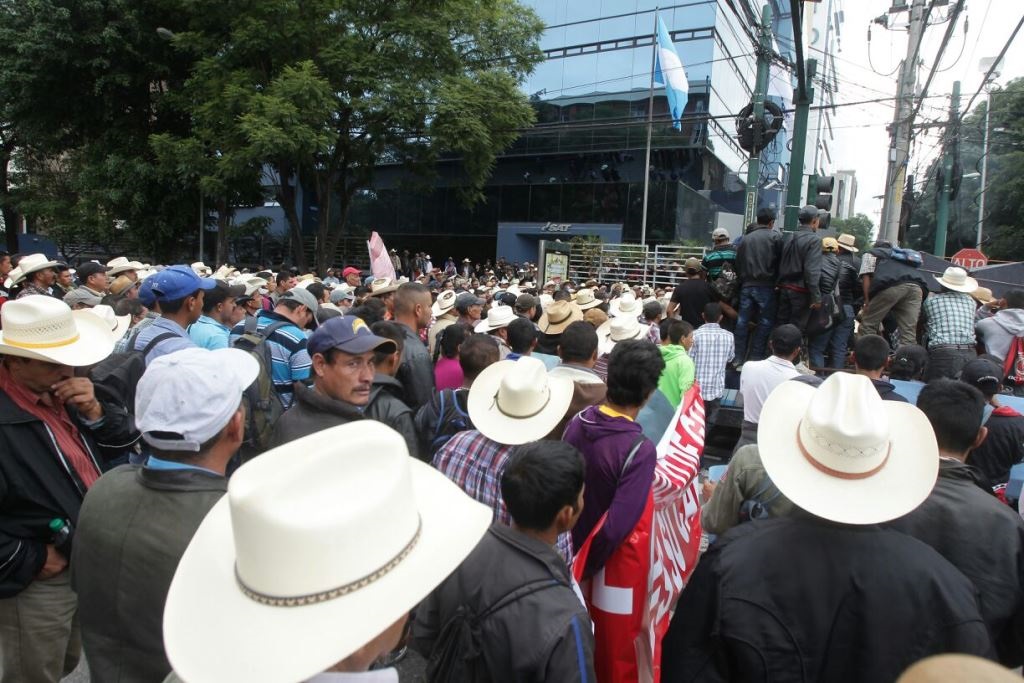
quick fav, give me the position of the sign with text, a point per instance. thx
(969, 259)
(554, 262)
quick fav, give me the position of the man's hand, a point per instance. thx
(707, 490)
(55, 563)
(78, 391)
(815, 306)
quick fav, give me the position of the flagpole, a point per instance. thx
(650, 127)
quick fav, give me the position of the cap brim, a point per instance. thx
(207, 283)
(511, 431)
(95, 342)
(900, 486)
(364, 343)
(213, 632)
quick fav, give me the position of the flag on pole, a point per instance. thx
(669, 71)
(380, 261)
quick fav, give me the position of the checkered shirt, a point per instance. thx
(475, 463)
(712, 348)
(950, 319)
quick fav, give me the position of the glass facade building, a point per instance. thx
(583, 161)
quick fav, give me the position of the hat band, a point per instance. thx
(523, 417)
(560, 321)
(324, 596)
(42, 345)
(837, 473)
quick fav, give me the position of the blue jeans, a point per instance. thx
(817, 345)
(841, 339)
(756, 301)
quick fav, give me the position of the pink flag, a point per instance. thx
(380, 261)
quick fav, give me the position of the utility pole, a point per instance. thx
(984, 174)
(899, 150)
(764, 50)
(796, 160)
(950, 151)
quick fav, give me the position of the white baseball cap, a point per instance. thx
(185, 398)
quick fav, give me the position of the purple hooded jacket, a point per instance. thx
(605, 443)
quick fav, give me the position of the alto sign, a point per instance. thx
(968, 259)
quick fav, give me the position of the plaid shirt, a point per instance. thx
(950, 319)
(712, 348)
(475, 463)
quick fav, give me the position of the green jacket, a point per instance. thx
(677, 377)
(744, 480)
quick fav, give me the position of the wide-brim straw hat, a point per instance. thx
(956, 279)
(497, 317)
(585, 299)
(625, 305)
(121, 265)
(45, 328)
(841, 453)
(517, 401)
(847, 242)
(280, 582)
(445, 303)
(382, 286)
(983, 295)
(33, 263)
(118, 324)
(558, 316)
(622, 328)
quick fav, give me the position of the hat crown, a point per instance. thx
(293, 539)
(584, 296)
(845, 429)
(955, 275)
(500, 315)
(623, 327)
(38, 322)
(628, 303)
(524, 392)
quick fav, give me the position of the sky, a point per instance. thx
(862, 142)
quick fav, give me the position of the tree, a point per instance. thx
(860, 226)
(322, 91)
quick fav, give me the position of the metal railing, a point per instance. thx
(630, 263)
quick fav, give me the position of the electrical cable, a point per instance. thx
(991, 69)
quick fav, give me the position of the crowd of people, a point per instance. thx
(246, 474)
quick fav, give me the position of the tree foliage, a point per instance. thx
(859, 225)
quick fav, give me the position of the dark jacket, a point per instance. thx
(416, 373)
(849, 277)
(545, 635)
(757, 257)
(889, 272)
(1002, 448)
(800, 263)
(37, 484)
(830, 271)
(887, 391)
(133, 529)
(386, 405)
(310, 413)
(605, 443)
(984, 539)
(803, 599)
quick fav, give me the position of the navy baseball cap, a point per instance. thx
(349, 334)
(146, 295)
(177, 282)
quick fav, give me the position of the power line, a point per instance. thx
(991, 69)
(957, 9)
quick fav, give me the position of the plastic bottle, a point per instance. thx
(61, 529)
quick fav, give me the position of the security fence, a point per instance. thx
(632, 263)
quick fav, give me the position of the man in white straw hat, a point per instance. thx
(122, 266)
(38, 275)
(949, 318)
(445, 314)
(54, 435)
(978, 533)
(496, 324)
(281, 582)
(510, 403)
(122, 564)
(543, 488)
(828, 591)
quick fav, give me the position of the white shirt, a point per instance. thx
(758, 378)
(381, 676)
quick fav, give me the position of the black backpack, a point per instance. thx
(263, 406)
(440, 420)
(115, 377)
(457, 656)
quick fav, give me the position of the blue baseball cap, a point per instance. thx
(177, 282)
(347, 333)
(146, 295)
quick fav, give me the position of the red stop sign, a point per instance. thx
(970, 259)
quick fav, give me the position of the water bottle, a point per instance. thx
(61, 530)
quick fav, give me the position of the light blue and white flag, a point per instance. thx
(669, 71)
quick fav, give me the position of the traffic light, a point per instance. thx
(821, 195)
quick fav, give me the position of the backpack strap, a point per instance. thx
(250, 325)
(440, 414)
(518, 593)
(156, 340)
(272, 328)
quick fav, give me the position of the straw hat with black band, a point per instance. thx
(558, 316)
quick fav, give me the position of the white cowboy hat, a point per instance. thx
(280, 582)
(558, 316)
(383, 285)
(497, 317)
(842, 453)
(201, 269)
(34, 262)
(622, 328)
(516, 401)
(445, 302)
(14, 277)
(585, 299)
(625, 305)
(45, 328)
(956, 279)
(121, 264)
(117, 324)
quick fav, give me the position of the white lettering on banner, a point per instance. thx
(556, 227)
(610, 598)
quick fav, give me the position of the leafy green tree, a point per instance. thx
(859, 225)
(323, 91)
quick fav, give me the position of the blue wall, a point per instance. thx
(517, 242)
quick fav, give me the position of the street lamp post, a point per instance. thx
(984, 172)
